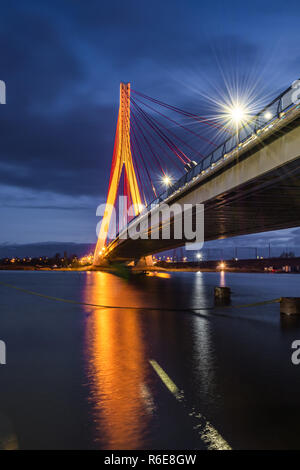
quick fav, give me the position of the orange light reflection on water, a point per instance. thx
(116, 363)
(222, 279)
(158, 274)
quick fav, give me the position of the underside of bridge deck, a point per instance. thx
(270, 202)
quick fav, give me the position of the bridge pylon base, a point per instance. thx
(145, 261)
(104, 263)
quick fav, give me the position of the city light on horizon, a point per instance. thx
(222, 265)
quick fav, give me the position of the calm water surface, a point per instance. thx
(79, 377)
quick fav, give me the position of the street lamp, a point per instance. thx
(167, 180)
(237, 114)
(268, 115)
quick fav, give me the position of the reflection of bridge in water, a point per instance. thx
(250, 183)
(115, 379)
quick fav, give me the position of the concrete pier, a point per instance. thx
(290, 305)
(145, 261)
(222, 294)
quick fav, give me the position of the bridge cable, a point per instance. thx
(143, 131)
(173, 147)
(196, 117)
(178, 124)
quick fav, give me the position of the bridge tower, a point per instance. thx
(122, 160)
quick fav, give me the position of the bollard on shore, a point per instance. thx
(222, 294)
(290, 305)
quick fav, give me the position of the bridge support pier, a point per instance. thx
(102, 263)
(222, 295)
(145, 261)
(290, 305)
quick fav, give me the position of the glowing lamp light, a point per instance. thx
(222, 265)
(198, 256)
(268, 115)
(237, 114)
(167, 180)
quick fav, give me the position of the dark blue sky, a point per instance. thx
(62, 62)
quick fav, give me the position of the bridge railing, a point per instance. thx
(261, 120)
(274, 110)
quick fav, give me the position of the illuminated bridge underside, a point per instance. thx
(255, 192)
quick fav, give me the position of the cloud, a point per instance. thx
(279, 238)
(62, 62)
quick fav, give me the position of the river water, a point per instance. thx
(80, 377)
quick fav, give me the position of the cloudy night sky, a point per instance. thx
(62, 62)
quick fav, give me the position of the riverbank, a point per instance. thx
(153, 269)
(256, 265)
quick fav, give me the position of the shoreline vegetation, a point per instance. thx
(288, 263)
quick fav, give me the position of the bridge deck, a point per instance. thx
(254, 188)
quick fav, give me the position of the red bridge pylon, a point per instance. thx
(122, 161)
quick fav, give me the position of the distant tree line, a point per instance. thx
(57, 261)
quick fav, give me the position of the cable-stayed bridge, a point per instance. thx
(248, 182)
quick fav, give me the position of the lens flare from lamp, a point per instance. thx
(268, 115)
(167, 180)
(237, 114)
